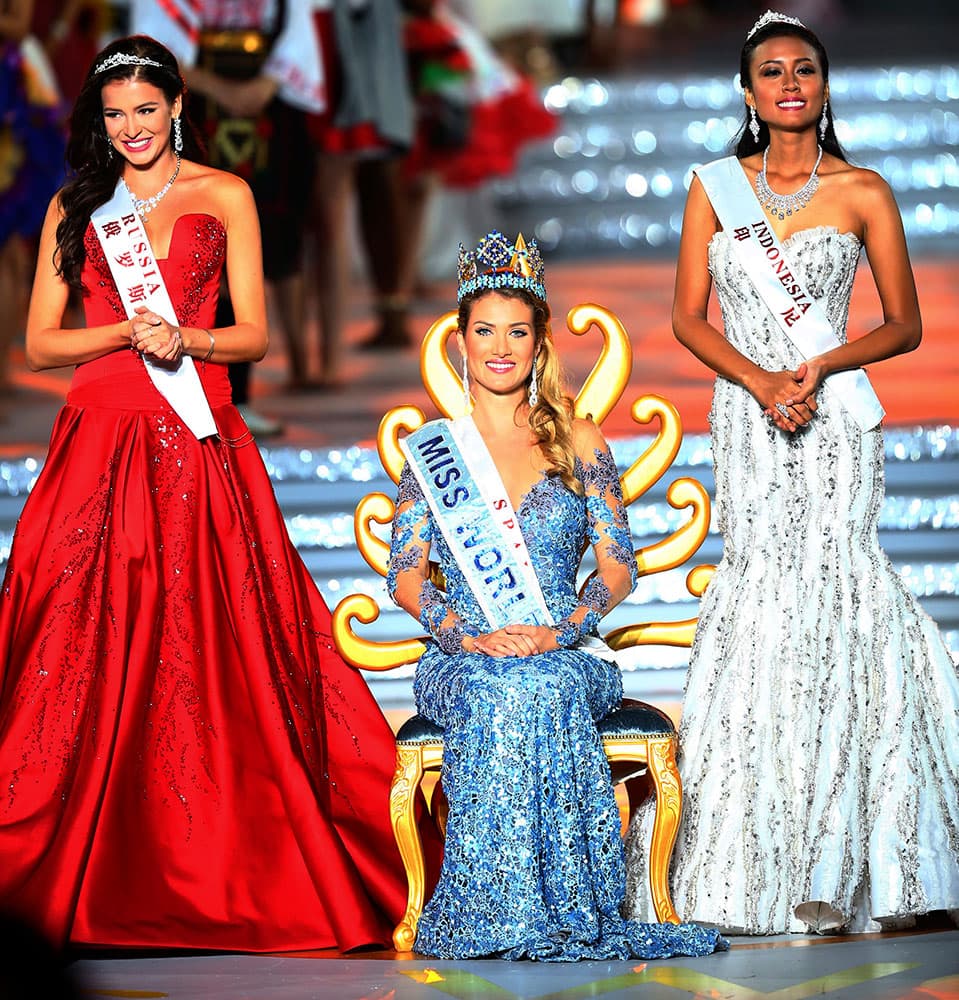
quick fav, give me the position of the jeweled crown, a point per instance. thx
(497, 263)
(126, 59)
(772, 17)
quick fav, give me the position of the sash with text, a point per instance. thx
(472, 510)
(137, 276)
(764, 259)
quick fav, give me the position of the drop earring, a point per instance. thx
(753, 123)
(824, 121)
(467, 402)
(177, 136)
(533, 388)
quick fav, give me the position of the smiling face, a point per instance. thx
(499, 344)
(787, 87)
(137, 117)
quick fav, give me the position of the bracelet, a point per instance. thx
(209, 354)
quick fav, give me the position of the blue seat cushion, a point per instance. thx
(418, 731)
(632, 720)
(635, 720)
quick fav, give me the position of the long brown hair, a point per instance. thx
(94, 166)
(551, 419)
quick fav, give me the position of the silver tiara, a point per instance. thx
(771, 17)
(125, 59)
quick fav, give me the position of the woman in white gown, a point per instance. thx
(819, 752)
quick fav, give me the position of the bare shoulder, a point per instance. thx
(587, 439)
(223, 194)
(55, 208)
(864, 187)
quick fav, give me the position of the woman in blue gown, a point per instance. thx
(534, 861)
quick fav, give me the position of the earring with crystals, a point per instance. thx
(753, 123)
(177, 135)
(467, 402)
(533, 388)
(824, 121)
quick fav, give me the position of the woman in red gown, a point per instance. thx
(185, 761)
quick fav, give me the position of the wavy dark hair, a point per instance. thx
(93, 165)
(744, 144)
(551, 419)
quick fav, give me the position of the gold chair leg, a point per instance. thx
(669, 799)
(406, 780)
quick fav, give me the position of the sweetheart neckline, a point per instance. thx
(178, 220)
(535, 485)
(829, 230)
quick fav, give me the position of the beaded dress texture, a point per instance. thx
(533, 866)
(185, 760)
(818, 744)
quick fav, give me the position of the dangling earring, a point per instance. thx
(109, 142)
(533, 389)
(753, 123)
(177, 136)
(824, 121)
(467, 402)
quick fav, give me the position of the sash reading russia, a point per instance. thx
(476, 524)
(136, 273)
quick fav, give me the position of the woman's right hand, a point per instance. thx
(772, 388)
(151, 334)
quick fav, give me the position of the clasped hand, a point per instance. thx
(513, 640)
(787, 397)
(151, 334)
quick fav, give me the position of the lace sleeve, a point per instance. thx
(616, 573)
(408, 578)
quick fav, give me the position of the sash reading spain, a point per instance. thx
(477, 520)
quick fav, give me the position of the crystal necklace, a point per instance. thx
(784, 204)
(146, 205)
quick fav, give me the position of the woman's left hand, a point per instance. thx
(516, 640)
(540, 638)
(151, 334)
(809, 375)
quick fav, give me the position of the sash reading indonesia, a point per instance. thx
(766, 262)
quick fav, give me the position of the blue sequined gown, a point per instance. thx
(534, 861)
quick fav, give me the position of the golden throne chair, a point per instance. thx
(640, 741)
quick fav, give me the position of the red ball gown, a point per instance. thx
(185, 760)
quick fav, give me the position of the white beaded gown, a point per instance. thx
(820, 724)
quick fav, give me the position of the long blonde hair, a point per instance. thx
(551, 419)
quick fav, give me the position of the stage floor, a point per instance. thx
(918, 388)
(903, 966)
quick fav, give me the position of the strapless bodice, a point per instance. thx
(823, 258)
(191, 272)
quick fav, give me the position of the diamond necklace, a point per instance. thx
(784, 204)
(144, 206)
